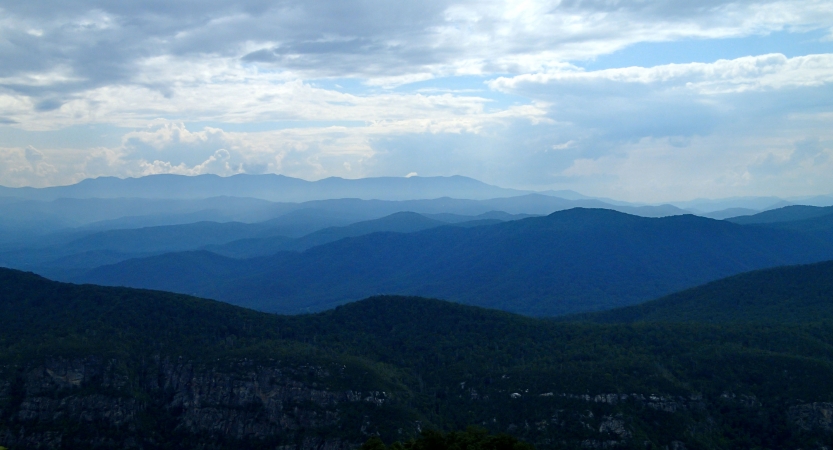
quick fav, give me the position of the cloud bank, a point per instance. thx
(507, 92)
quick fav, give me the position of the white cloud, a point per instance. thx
(32, 155)
(386, 43)
(150, 67)
(654, 169)
(605, 107)
(22, 166)
(564, 145)
(170, 147)
(206, 90)
(219, 163)
(772, 71)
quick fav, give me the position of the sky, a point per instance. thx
(639, 100)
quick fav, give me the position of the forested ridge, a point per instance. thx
(571, 261)
(393, 366)
(781, 295)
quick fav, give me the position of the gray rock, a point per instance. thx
(812, 416)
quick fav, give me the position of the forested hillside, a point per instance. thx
(570, 261)
(90, 366)
(793, 294)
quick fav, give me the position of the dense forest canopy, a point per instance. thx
(431, 363)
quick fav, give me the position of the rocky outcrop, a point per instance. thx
(115, 412)
(289, 406)
(107, 403)
(614, 425)
(813, 416)
(658, 402)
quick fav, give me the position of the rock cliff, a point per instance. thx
(72, 403)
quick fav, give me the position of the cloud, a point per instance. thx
(806, 155)
(414, 99)
(564, 145)
(812, 151)
(645, 169)
(199, 91)
(32, 155)
(373, 149)
(174, 143)
(714, 166)
(60, 48)
(219, 163)
(677, 100)
(753, 73)
(22, 166)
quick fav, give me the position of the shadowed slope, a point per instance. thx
(793, 294)
(570, 261)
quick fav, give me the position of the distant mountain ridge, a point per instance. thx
(276, 188)
(281, 188)
(729, 213)
(85, 249)
(26, 222)
(785, 214)
(39, 235)
(570, 261)
(428, 192)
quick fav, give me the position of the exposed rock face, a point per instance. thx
(247, 403)
(658, 402)
(116, 412)
(255, 404)
(614, 425)
(100, 403)
(594, 443)
(813, 416)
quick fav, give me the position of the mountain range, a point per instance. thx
(298, 229)
(280, 188)
(308, 256)
(567, 262)
(29, 221)
(271, 187)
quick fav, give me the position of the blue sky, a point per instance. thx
(646, 101)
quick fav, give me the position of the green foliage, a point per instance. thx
(448, 366)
